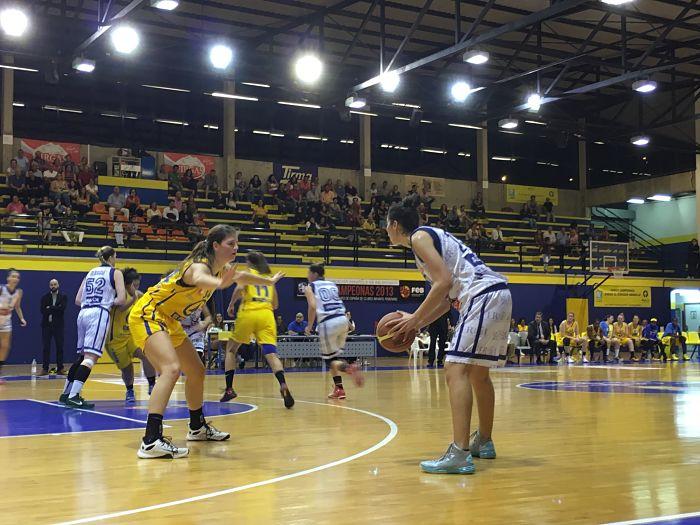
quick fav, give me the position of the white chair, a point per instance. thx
(418, 347)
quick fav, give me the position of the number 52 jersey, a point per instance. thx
(99, 288)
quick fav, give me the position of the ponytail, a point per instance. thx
(258, 262)
(405, 213)
(105, 253)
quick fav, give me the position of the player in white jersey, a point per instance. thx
(10, 300)
(326, 306)
(480, 339)
(102, 288)
(196, 328)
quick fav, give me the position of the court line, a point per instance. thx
(659, 519)
(393, 431)
(90, 411)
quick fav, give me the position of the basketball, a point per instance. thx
(392, 344)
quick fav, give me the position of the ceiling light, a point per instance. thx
(17, 68)
(505, 159)
(464, 154)
(173, 122)
(433, 150)
(504, 178)
(18, 104)
(468, 126)
(660, 197)
(571, 179)
(405, 105)
(308, 68)
(277, 134)
(353, 101)
(510, 132)
(220, 56)
(211, 126)
(13, 21)
(534, 101)
(118, 115)
(365, 113)
(62, 110)
(402, 118)
(617, 2)
(256, 84)
(125, 39)
(84, 65)
(236, 97)
(260, 132)
(299, 104)
(644, 86)
(536, 122)
(389, 81)
(640, 140)
(476, 57)
(460, 91)
(311, 137)
(600, 142)
(635, 200)
(165, 5)
(347, 141)
(165, 88)
(508, 123)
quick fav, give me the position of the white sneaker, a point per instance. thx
(207, 433)
(585, 359)
(570, 360)
(161, 448)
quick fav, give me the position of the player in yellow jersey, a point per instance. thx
(621, 337)
(120, 347)
(635, 333)
(255, 317)
(570, 335)
(155, 327)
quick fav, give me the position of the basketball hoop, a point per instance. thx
(617, 272)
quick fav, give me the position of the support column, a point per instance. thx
(6, 121)
(482, 162)
(365, 155)
(697, 170)
(583, 171)
(229, 135)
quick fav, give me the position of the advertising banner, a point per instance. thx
(624, 296)
(434, 185)
(517, 193)
(50, 151)
(373, 290)
(294, 172)
(199, 164)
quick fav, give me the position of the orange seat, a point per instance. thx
(105, 217)
(146, 230)
(98, 207)
(139, 219)
(178, 233)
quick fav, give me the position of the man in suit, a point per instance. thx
(53, 306)
(438, 330)
(539, 337)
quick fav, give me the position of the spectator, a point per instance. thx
(395, 195)
(311, 225)
(313, 194)
(453, 219)
(231, 198)
(281, 327)
(219, 201)
(22, 162)
(67, 227)
(373, 191)
(36, 169)
(211, 183)
(426, 198)
(260, 214)
(464, 219)
(354, 215)
(133, 202)
(117, 202)
(192, 204)
(532, 207)
(539, 336)
(40, 162)
(693, 258)
(255, 192)
(186, 215)
(339, 189)
(44, 226)
(548, 210)
(68, 162)
(605, 335)
(53, 307)
(651, 342)
(51, 172)
(442, 217)
(162, 174)
(174, 180)
(81, 203)
(170, 212)
(69, 174)
(33, 187)
(16, 206)
(438, 338)
(473, 238)
(423, 215)
(562, 241)
(240, 187)
(33, 206)
(16, 179)
(153, 214)
(191, 180)
(413, 190)
(478, 205)
(351, 324)
(298, 326)
(118, 229)
(194, 232)
(272, 185)
(46, 203)
(499, 243)
(85, 173)
(369, 227)
(574, 242)
(177, 201)
(58, 189)
(676, 340)
(304, 185)
(328, 195)
(385, 191)
(92, 192)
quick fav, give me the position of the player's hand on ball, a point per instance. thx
(408, 323)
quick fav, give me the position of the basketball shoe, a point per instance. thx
(453, 461)
(481, 449)
(207, 433)
(228, 395)
(338, 393)
(161, 448)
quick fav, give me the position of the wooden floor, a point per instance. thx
(564, 456)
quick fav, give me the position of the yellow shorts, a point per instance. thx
(258, 323)
(142, 327)
(121, 351)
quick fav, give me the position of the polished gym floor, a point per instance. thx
(576, 444)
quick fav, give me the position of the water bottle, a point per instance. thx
(33, 367)
(226, 327)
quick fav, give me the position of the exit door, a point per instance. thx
(692, 316)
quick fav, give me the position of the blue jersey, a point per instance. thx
(99, 288)
(328, 301)
(651, 331)
(604, 328)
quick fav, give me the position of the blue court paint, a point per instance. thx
(23, 417)
(690, 518)
(617, 387)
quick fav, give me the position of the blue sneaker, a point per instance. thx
(481, 449)
(130, 397)
(454, 461)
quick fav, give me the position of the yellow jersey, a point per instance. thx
(172, 298)
(570, 330)
(256, 296)
(620, 329)
(119, 327)
(635, 331)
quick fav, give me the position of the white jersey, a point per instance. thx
(470, 276)
(99, 288)
(328, 301)
(7, 298)
(189, 323)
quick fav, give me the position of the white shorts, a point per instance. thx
(197, 339)
(6, 323)
(481, 336)
(332, 333)
(93, 324)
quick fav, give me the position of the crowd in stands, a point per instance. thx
(566, 342)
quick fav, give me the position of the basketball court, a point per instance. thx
(593, 444)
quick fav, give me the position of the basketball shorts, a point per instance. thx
(197, 339)
(93, 324)
(6, 323)
(481, 335)
(332, 334)
(255, 323)
(143, 326)
(121, 351)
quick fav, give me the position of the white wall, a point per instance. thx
(672, 221)
(680, 182)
